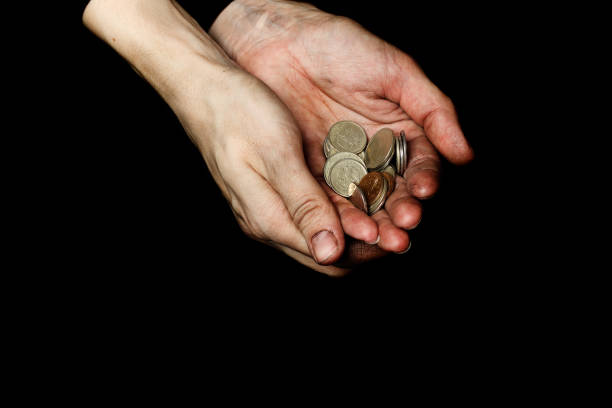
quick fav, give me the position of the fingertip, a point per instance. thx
(393, 239)
(424, 184)
(407, 216)
(362, 228)
(460, 153)
(325, 247)
(463, 154)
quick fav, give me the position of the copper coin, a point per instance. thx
(391, 181)
(358, 198)
(372, 185)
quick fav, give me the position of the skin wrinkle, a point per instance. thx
(370, 107)
(336, 70)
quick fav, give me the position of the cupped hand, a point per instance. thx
(248, 138)
(327, 68)
(253, 149)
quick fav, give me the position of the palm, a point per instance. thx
(327, 69)
(323, 76)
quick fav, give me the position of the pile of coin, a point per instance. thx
(362, 170)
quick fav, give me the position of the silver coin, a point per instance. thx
(385, 164)
(325, 148)
(328, 149)
(347, 136)
(397, 154)
(403, 153)
(333, 161)
(380, 149)
(345, 172)
(362, 155)
(390, 170)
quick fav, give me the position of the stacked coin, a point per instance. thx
(375, 187)
(362, 170)
(345, 136)
(342, 169)
(401, 153)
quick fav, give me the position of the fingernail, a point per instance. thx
(406, 250)
(324, 245)
(375, 242)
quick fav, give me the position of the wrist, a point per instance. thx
(162, 43)
(244, 24)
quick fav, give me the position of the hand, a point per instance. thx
(247, 136)
(328, 68)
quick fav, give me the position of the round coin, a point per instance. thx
(372, 185)
(328, 149)
(380, 201)
(343, 173)
(347, 136)
(390, 182)
(389, 169)
(331, 162)
(403, 153)
(358, 197)
(380, 149)
(397, 155)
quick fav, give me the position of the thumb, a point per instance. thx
(310, 208)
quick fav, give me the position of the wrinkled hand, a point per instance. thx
(247, 136)
(327, 68)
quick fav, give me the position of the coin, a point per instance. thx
(347, 136)
(343, 174)
(397, 155)
(372, 185)
(337, 157)
(402, 153)
(328, 149)
(358, 197)
(389, 169)
(380, 200)
(390, 181)
(380, 149)
(341, 170)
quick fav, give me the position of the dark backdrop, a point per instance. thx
(148, 216)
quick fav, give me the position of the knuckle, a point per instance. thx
(447, 103)
(307, 212)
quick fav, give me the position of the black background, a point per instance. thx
(145, 218)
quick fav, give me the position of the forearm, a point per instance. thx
(164, 44)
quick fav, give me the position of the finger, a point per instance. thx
(404, 210)
(311, 210)
(392, 238)
(355, 223)
(357, 252)
(423, 171)
(429, 107)
(331, 270)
